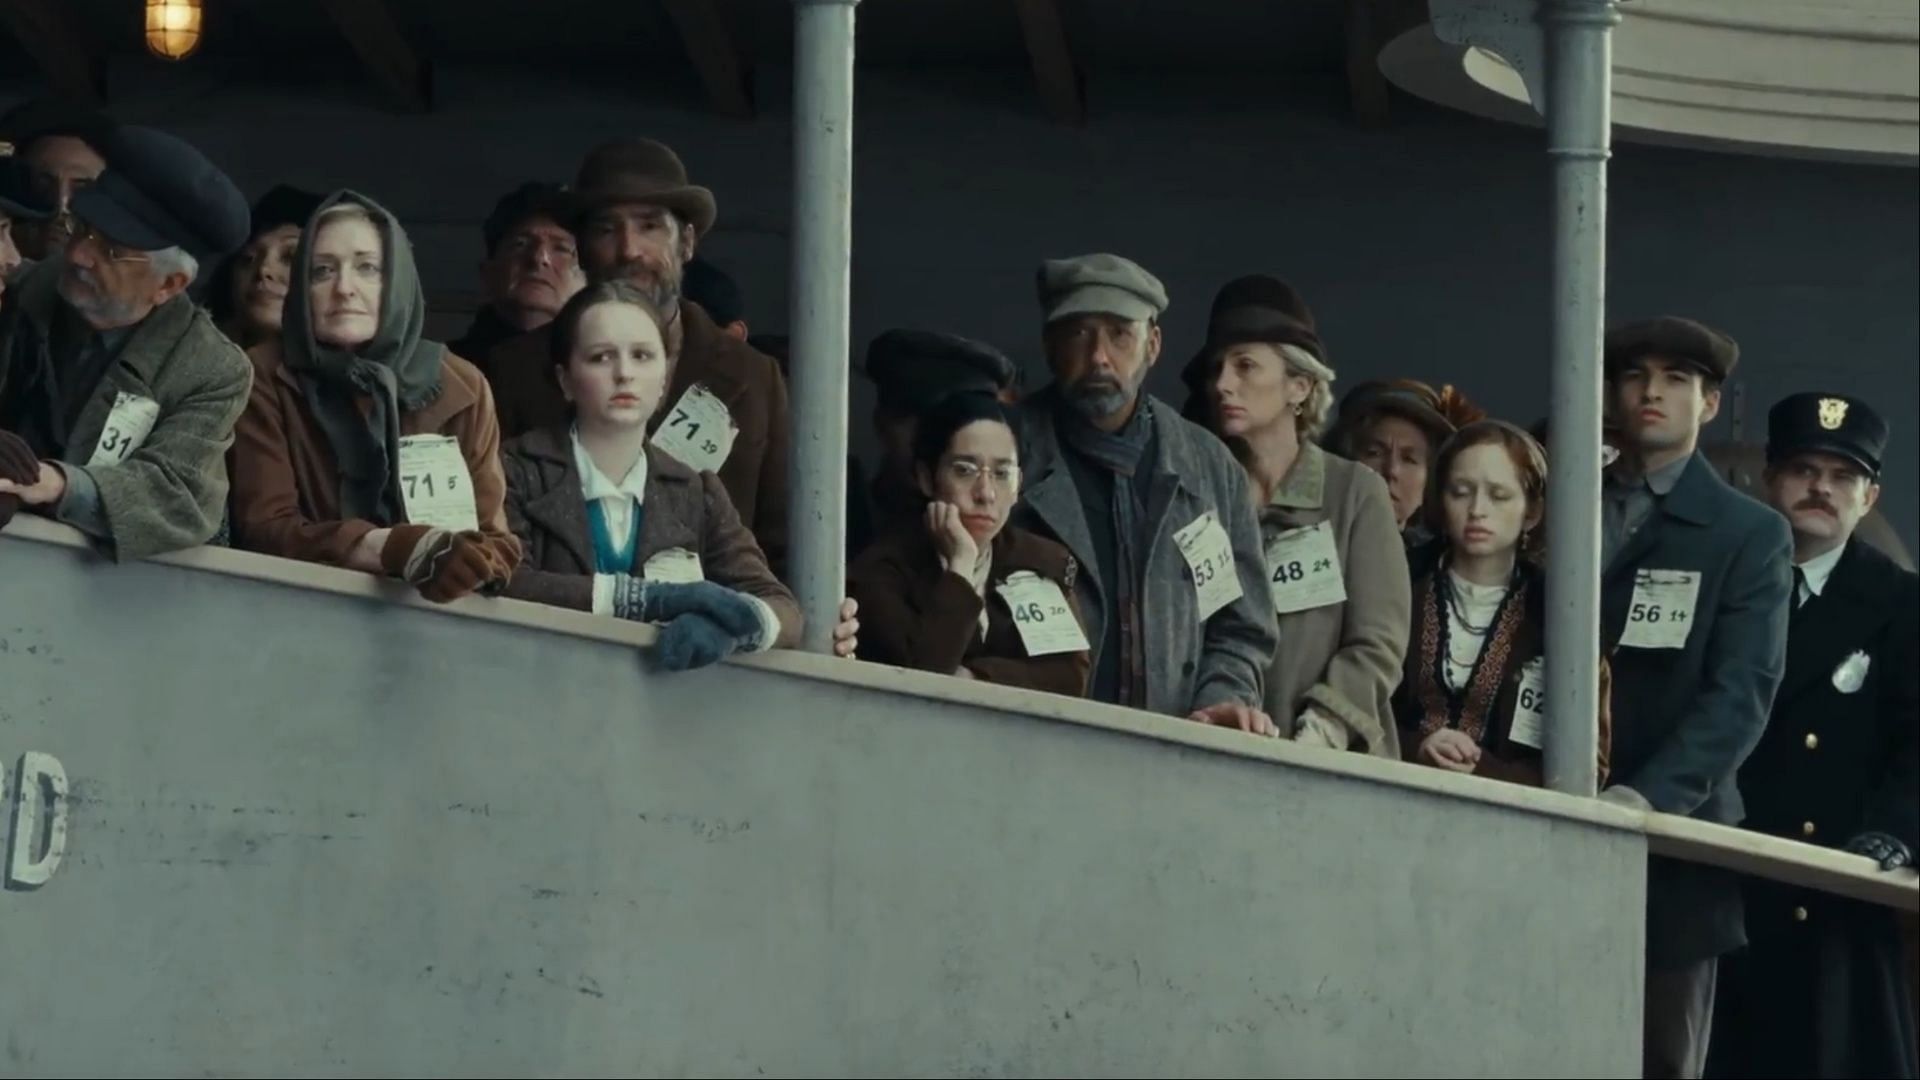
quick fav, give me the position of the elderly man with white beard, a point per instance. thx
(118, 395)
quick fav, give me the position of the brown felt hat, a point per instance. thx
(640, 171)
(1255, 308)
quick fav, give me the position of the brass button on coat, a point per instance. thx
(1806, 828)
(1813, 741)
(1799, 914)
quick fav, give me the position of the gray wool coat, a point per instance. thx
(1190, 663)
(171, 492)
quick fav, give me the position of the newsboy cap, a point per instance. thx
(913, 370)
(1824, 423)
(160, 192)
(532, 199)
(1099, 285)
(1669, 337)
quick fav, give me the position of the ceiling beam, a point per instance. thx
(1371, 24)
(71, 65)
(369, 26)
(1055, 74)
(709, 44)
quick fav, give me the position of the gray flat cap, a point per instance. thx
(1099, 285)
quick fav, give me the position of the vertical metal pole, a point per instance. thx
(822, 249)
(1579, 57)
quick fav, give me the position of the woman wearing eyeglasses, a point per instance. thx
(960, 592)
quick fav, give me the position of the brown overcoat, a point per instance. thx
(286, 481)
(682, 509)
(913, 613)
(747, 381)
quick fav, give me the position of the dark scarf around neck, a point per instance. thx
(1122, 454)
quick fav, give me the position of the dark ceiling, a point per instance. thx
(289, 41)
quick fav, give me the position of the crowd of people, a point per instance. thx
(178, 368)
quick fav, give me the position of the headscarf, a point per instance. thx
(398, 368)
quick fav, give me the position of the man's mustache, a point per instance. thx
(1816, 503)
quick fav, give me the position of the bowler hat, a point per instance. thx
(160, 192)
(1099, 285)
(640, 171)
(1826, 423)
(1257, 308)
(1671, 338)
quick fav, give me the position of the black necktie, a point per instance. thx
(1800, 589)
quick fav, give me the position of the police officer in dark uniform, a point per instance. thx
(1820, 990)
(912, 371)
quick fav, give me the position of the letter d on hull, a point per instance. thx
(39, 777)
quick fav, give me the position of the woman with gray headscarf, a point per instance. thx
(365, 445)
(1334, 564)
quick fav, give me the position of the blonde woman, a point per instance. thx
(1335, 565)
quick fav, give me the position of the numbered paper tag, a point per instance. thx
(1303, 569)
(434, 484)
(1042, 615)
(1530, 708)
(1662, 609)
(676, 565)
(1210, 554)
(128, 425)
(699, 432)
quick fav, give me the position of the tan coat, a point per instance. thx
(286, 483)
(748, 382)
(1344, 659)
(682, 509)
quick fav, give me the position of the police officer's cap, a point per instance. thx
(1827, 424)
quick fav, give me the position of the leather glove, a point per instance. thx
(640, 600)
(1889, 851)
(18, 462)
(412, 553)
(443, 565)
(693, 641)
(469, 565)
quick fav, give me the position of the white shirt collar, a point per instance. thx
(1819, 568)
(595, 484)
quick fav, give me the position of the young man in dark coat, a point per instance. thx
(1820, 990)
(1694, 586)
